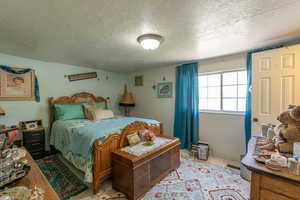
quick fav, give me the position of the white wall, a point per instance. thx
(147, 103)
(52, 83)
(224, 133)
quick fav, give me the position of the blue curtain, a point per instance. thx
(248, 113)
(186, 123)
(23, 71)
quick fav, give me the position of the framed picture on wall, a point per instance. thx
(14, 87)
(31, 125)
(165, 90)
(139, 80)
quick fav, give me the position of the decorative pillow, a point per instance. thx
(103, 114)
(88, 110)
(93, 112)
(69, 111)
(133, 139)
(93, 105)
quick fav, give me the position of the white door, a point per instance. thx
(275, 79)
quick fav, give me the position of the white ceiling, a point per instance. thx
(102, 33)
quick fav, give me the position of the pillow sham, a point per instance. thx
(94, 112)
(88, 110)
(103, 114)
(93, 105)
(69, 111)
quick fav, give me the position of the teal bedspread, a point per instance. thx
(77, 136)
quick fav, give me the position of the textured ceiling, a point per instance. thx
(102, 33)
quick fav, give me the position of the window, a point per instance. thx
(223, 91)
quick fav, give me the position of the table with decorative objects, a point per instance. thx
(269, 184)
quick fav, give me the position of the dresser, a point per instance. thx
(135, 175)
(268, 184)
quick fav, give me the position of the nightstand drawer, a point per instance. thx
(37, 155)
(33, 136)
(34, 146)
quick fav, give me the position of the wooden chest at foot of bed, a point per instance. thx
(135, 175)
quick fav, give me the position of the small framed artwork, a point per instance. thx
(139, 80)
(14, 87)
(31, 125)
(165, 90)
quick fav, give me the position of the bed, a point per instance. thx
(79, 143)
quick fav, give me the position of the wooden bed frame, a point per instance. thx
(102, 168)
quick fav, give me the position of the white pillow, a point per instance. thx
(99, 114)
(94, 113)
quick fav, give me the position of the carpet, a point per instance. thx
(63, 181)
(193, 180)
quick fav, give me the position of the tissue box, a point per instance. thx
(294, 166)
(297, 149)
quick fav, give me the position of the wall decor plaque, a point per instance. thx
(78, 77)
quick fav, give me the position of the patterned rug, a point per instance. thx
(193, 180)
(64, 182)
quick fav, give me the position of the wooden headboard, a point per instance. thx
(78, 97)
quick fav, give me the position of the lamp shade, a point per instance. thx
(127, 98)
(2, 112)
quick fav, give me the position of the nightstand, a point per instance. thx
(34, 139)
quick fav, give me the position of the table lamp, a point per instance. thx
(127, 101)
(2, 112)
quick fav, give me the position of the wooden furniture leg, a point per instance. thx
(102, 159)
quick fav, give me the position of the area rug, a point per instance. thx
(64, 182)
(193, 180)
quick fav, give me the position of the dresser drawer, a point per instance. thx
(33, 136)
(279, 186)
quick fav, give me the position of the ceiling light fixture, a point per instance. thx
(150, 41)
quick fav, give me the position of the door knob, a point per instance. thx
(255, 119)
